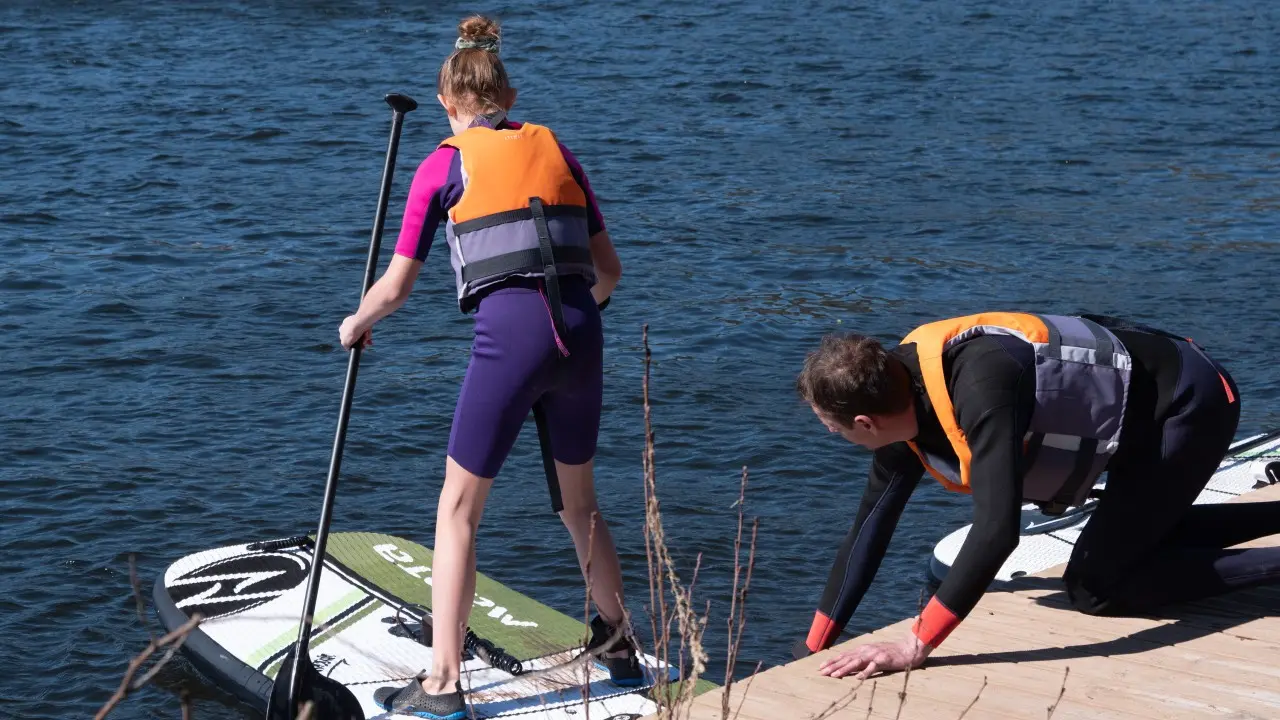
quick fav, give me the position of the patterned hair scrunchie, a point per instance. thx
(490, 44)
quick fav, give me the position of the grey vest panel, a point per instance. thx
(1082, 390)
(489, 255)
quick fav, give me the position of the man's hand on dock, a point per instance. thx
(867, 660)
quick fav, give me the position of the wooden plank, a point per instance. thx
(1239, 615)
(1122, 675)
(940, 697)
(770, 704)
(956, 686)
(1214, 658)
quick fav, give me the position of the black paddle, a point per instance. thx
(297, 681)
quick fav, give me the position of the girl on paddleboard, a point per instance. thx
(533, 260)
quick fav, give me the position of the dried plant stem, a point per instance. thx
(902, 694)
(1061, 692)
(663, 579)
(737, 605)
(471, 711)
(746, 689)
(841, 702)
(657, 598)
(975, 699)
(172, 642)
(586, 618)
(140, 604)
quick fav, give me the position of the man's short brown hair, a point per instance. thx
(852, 375)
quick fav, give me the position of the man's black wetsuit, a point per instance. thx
(1181, 416)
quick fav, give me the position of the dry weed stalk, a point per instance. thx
(1054, 706)
(737, 605)
(975, 699)
(139, 603)
(170, 643)
(843, 702)
(745, 689)
(902, 694)
(586, 618)
(663, 579)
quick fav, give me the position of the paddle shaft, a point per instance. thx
(400, 105)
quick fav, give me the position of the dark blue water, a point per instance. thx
(186, 193)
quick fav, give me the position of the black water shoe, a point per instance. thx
(623, 671)
(413, 700)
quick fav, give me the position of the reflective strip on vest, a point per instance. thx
(944, 467)
(491, 231)
(1082, 388)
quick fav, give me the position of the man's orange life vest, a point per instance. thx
(1082, 388)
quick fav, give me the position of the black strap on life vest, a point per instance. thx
(1065, 496)
(549, 273)
(1105, 349)
(552, 279)
(510, 216)
(548, 460)
(523, 261)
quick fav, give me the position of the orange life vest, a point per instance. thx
(1082, 384)
(521, 212)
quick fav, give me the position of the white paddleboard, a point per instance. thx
(1047, 541)
(367, 634)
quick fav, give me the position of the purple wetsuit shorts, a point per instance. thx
(515, 362)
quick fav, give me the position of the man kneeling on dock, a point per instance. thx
(1014, 407)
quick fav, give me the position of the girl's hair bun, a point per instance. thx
(479, 32)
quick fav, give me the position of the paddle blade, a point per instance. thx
(331, 699)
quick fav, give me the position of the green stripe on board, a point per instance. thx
(523, 626)
(328, 634)
(287, 637)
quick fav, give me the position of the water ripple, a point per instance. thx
(185, 225)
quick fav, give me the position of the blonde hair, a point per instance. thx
(473, 77)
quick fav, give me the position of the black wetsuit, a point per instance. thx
(1145, 544)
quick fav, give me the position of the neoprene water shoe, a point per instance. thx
(623, 671)
(413, 700)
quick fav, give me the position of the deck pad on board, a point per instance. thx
(367, 634)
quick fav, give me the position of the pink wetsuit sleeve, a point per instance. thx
(427, 204)
(595, 220)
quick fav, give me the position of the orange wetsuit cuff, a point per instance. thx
(821, 632)
(935, 623)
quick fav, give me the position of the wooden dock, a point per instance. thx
(1213, 659)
